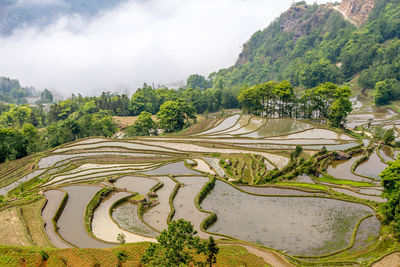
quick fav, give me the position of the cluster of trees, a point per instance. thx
(28, 129)
(12, 92)
(178, 246)
(324, 47)
(391, 184)
(272, 99)
(172, 117)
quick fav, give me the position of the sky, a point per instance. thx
(153, 41)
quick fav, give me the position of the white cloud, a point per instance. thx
(160, 41)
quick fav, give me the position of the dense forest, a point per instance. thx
(313, 44)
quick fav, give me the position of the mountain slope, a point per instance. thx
(310, 44)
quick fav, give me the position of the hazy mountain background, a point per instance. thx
(87, 47)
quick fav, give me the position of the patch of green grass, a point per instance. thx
(304, 185)
(331, 180)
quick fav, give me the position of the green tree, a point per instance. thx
(143, 126)
(46, 97)
(212, 251)
(341, 107)
(175, 115)
(198, 81)
(389, 137)
(382, 93)
(177, 246)
(391, 184)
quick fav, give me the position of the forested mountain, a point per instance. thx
(313, 44)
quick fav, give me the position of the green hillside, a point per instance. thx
(311, 44)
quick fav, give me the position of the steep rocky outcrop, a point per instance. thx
(357, 11)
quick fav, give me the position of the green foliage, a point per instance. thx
(206, 189)
(143, 126)
(320, 46)
(175, 115)
(389, 136)
(177, 246)
(198, 81)
(122, 256)
(327, 101)
(391, 184)
(212, 251)
(12, 92)
(121, 238)
(45, 97)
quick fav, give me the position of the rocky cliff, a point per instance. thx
(356, 11)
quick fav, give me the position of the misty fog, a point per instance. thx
(154, 41)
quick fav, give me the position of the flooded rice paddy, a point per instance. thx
(341, 169)
(372, 167)
(325, 226)
(184, 202)
(54, 198)
(106, 229)
(70, 223)
(126, 216)
(157, 216)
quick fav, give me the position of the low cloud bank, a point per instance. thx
(154, 41)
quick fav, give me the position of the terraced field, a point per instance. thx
(311, 208)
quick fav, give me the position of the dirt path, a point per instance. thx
(270, 257)
(392, 260)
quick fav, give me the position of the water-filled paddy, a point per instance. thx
(341, 169)
(224, 125)
(129, 145)
(316, 134)
(254, 124)
(372, 167)
(105, 228)
(54, 198)
(299, 225)
(277, 127)
(157, 216)
(7, 188)
(244, 120)
(367, 233)
(259, 190)
(184, 202)
(127, 218)
(177, 168)
(386, 153)
(71, 226)
(135, 184)
(354, 194)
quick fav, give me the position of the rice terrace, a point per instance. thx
(213, 133)
(322, 209)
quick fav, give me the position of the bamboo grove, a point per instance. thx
(326, 102)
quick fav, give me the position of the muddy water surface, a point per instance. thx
(157, 216)
(71, 226)
(184, 202)
(54, 198)
(341, 169)
(372, 167)
(299, 225)
(177, 168)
